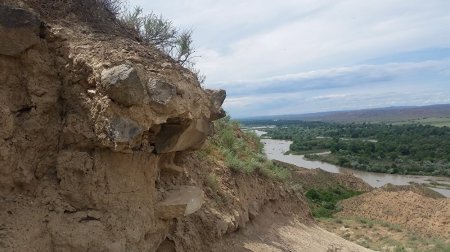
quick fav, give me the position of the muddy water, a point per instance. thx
(275, 149)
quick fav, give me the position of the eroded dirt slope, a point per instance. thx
(275, 232)
(406, 206)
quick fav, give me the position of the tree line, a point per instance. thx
(404, 149)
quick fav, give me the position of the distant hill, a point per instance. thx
(389, 114)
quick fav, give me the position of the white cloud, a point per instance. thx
(342, 34)
(254, 48)
(340, 77)
(329, 97)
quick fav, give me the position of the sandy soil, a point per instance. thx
(276, 232)
(381, 236)
(417, 212)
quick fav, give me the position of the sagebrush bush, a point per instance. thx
(233, 163)
(156, 30)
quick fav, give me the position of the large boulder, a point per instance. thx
(123, 85)
(19, 29)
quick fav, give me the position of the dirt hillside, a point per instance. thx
(407, 206)
(275, 232)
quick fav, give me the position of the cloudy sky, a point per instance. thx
(301, 56)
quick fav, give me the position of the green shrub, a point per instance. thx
(363, 221)
(441, 246)
(399, 249)
(212, 182)
(228, 140)
(273, 171)
(322, 213)
(234, 163)
(323, 202)
(251, 165)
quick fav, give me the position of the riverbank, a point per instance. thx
(402, 149)
(374, 165)
(276, 149)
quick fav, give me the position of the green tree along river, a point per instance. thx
(396, 149)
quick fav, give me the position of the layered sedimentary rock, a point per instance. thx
(88, 121)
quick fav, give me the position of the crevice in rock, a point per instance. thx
(70, 211)
(24, 110)
(88, 218)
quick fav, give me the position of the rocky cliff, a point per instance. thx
(96, 134)
(88, 123)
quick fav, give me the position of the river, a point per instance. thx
(275, 149)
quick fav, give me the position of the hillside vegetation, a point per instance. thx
(242, 152)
